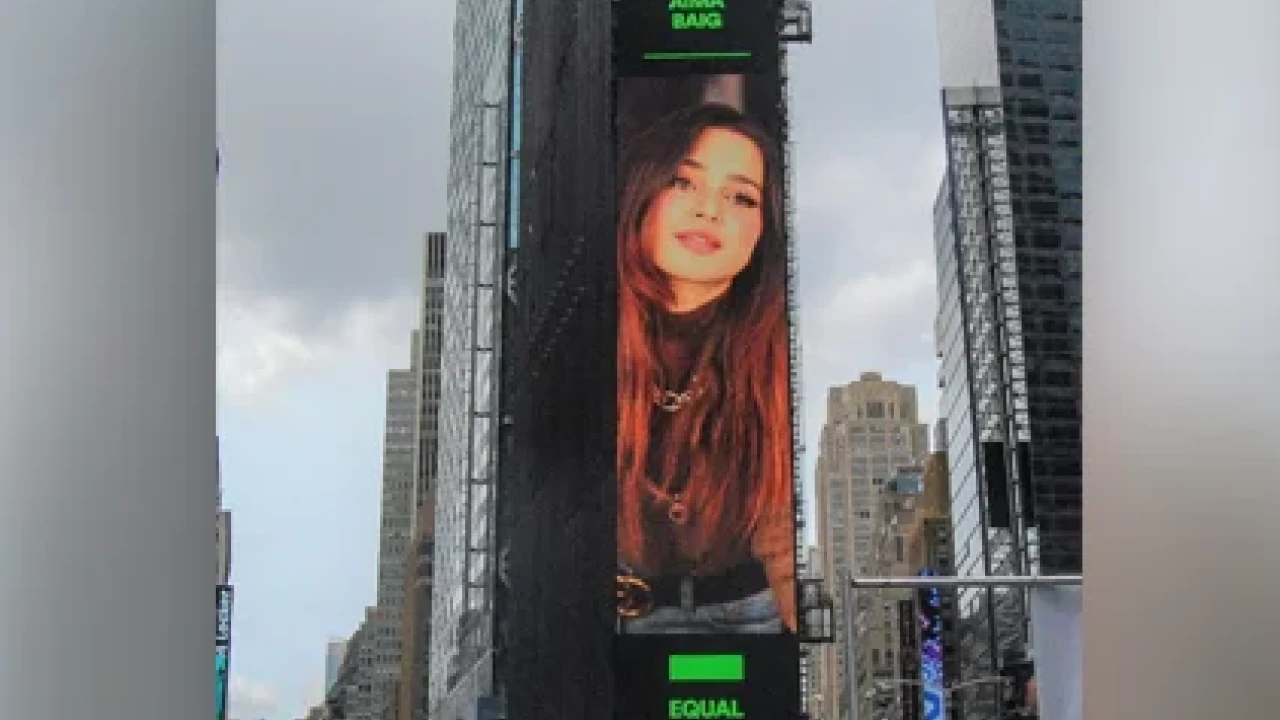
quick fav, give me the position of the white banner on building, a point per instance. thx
(1056, 628)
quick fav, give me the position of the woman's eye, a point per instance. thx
(746, 201)
(681, 183)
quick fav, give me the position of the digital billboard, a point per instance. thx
(222, 651)
(933, 690)
(706, 530)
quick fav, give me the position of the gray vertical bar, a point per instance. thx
(107, 459)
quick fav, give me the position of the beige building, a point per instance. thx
(415, 623)
(878, 639)
(872, 431)
(929, 535)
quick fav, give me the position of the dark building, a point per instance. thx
(556, 595)
(1008, 240)
(557, 505)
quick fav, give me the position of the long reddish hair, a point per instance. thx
(734, 442)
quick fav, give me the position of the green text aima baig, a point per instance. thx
(696, 14)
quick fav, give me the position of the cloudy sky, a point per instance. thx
(333, 118)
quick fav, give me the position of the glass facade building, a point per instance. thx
(1008, 240)
(461, 646)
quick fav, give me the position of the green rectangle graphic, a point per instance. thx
(706, 668)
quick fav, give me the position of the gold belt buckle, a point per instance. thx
(635, 597)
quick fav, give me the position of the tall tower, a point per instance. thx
(481, 154)
(415, 626)
(872, 431)
(223, 536)
(401, 638)
(1009, 244)
(427, 353)
(395, 530)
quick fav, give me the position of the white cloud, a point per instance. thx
(878, 322)
(248, 700)
(867, 278)
(875, 318)
(265, 340)
(869, 206)
(901, 166)
(257, 344)
(263, 343)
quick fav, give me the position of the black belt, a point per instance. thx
(735, 584)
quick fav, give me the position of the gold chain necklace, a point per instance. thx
(677, 510)
(672, 401)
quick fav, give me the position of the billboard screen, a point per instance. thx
(704, 449)
(933, 690)
(222, 651)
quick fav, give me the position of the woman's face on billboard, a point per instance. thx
(701, 230)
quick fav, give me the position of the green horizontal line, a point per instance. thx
(697, 55)
(706, 668)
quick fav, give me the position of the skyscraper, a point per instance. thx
(415, 627)
(482, 147)
(354, 694)
(427, 353)
(1008, 241)
(396, 532)
(872, 430)
(222, 537)
(408, 484)
(880, 640)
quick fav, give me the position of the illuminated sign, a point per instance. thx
(932, 677)
(706, 668)
(704, 448)
(222, 650)
(222, 629)
(704, 709)
(706, 556)
(696, 14)
(701, 677)
(683, 36)
(220, 667)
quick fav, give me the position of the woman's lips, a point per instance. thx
(699, 242)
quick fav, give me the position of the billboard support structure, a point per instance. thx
(851, 585)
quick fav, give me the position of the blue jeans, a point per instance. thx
(752, 615)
